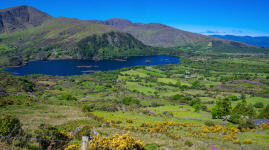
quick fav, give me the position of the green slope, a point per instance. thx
(61, 38)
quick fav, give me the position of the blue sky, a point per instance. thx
(238, 17)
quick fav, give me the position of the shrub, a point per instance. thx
(204, 108)
(197, 107)
(243, 109)
(84, 131)
(188, 143)
(129, 121)
(222, 108)
(183, 87)
(10, 126)
(248, 123)
(73, 147)
(48, 135)
(178, 97)
(258, 105)
(236, 141)
(124, 142)
(209, 123)
(233, 98)
(26, 85)
(87, 108)
(264, 113)
(194, 101)
(235, 118)
(168, 114)
(247, 141)
(4, 102)
(155, 104)
(68, 97)
(130, 100)
(196, 84)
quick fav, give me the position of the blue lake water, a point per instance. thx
(78, 67)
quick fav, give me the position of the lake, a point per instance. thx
(77, 67)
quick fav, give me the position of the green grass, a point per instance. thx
(142, 89)
(134, 73)
(187, 112)
(167, 80)
(253, 100)
(32, 116)
(152, 72)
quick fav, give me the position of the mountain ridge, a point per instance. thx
(155, 34)
(262, 41)
(21, 18)
(24, 38)
(61, 38)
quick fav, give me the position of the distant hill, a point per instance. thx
(155, 34)
(21, 17)
(261, 41)
(159, 35)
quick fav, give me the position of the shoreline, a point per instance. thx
(68, 58)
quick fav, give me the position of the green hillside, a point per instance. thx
(65, 38)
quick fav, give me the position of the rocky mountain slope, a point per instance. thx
(158, 35)
(21, 17)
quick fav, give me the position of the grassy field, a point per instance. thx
(143, 101)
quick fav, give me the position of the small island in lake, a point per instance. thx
(87, 66)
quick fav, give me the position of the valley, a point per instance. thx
(127, 85)
(164, 105)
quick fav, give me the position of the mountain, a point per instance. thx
(159, 35)
(155, 34)
(261, 41)
(61, 38)
(21, 17)
(29, 34)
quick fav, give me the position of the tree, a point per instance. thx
(264, 113)
(178, 97)
(178, 83)
(196, 84)
(258, 105)
(197, 107)
(194, 101)
(222, 108)
(244, 109)
(233, 98)
(243, 96)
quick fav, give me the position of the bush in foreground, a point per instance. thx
(50, 136)
(10, 127)
(84, 131)
(124, 141)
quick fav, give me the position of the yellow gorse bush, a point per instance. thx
(73, 147)
(218, 132)
(247, 141)
(129, 121)
(121, 142)
(68, 135)
(236, 141)
(265, 126)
